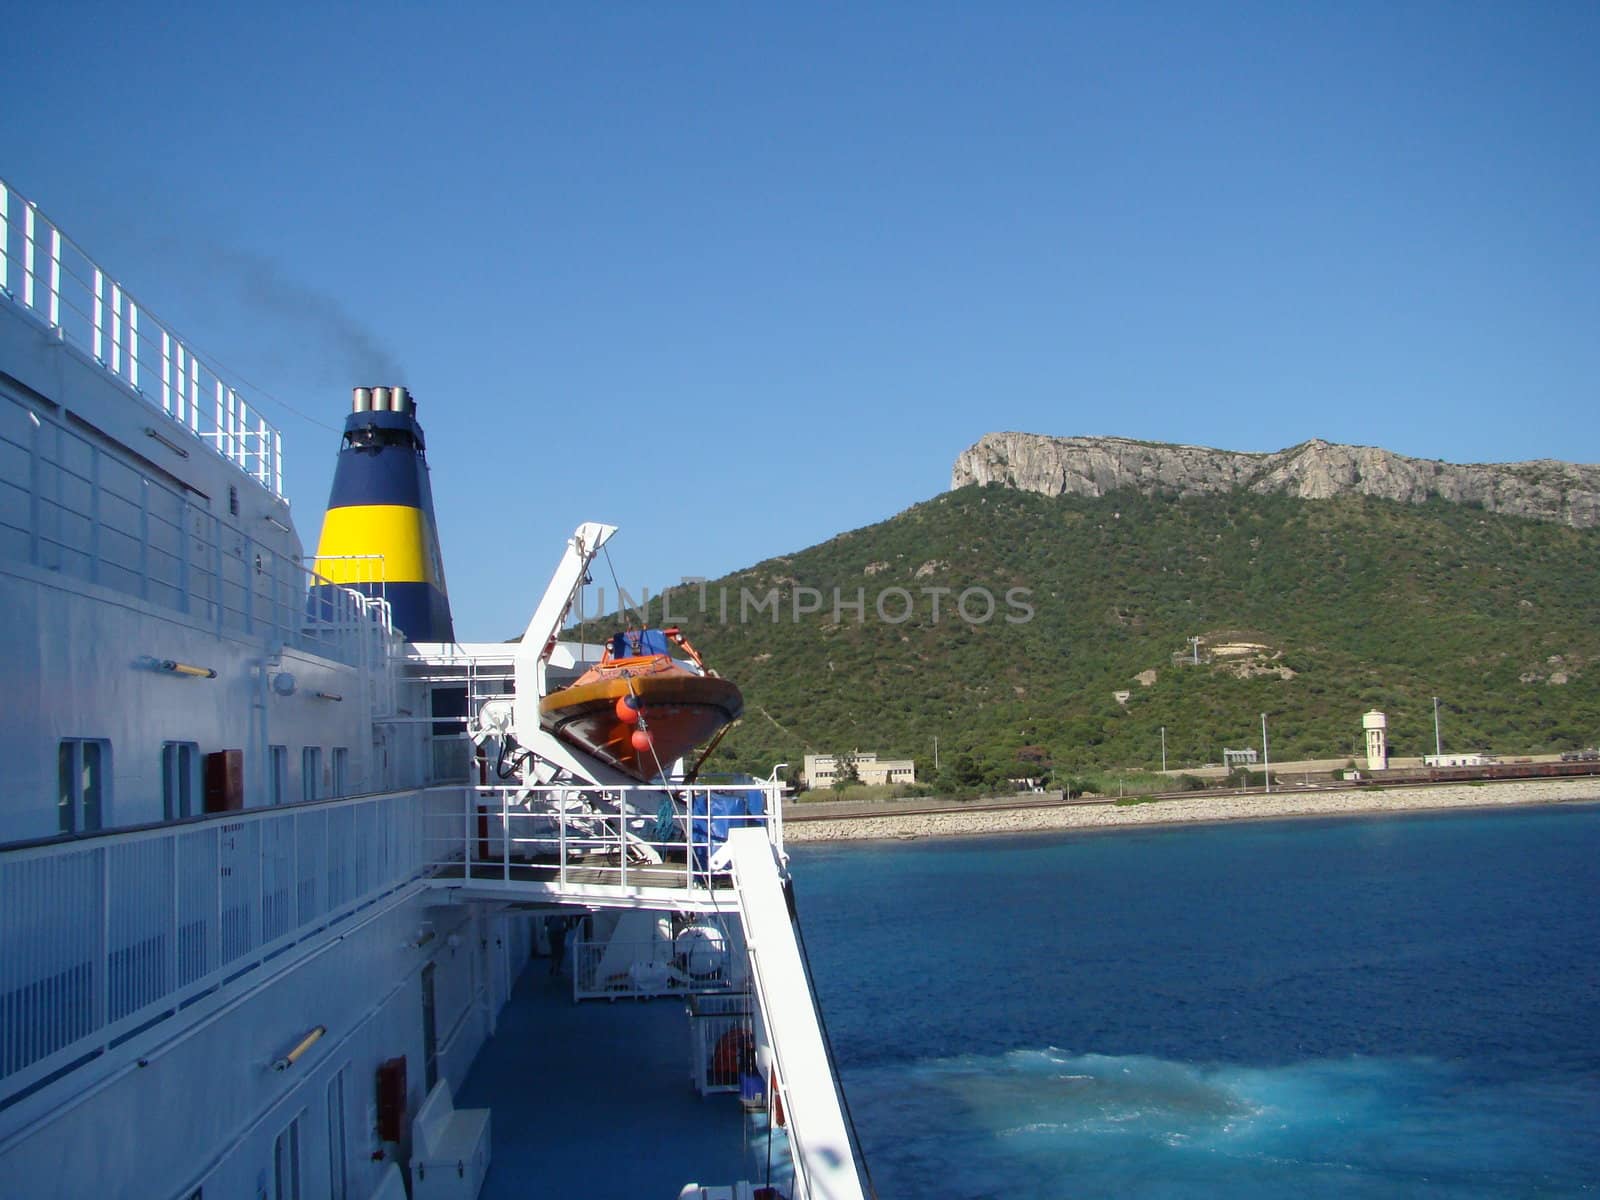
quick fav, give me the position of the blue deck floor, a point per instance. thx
(595, 1099)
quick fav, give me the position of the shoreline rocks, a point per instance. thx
(1198, 809)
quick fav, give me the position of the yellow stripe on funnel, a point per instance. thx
(397, 531)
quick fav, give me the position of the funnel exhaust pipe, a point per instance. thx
(382, 399)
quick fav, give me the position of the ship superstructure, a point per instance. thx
(263, 900)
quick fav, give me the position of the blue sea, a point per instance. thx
(1388, 1007)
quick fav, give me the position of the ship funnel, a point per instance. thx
(378, 535)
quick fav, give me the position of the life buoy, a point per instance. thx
(777, 1102)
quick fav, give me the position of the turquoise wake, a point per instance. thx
(1395, 1007)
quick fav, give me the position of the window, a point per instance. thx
(277, 774)
(180, 779)
(338, 1186)
(341, 771)
(83, 783)
(310, 772)
(286, 1163)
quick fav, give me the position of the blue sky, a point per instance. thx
(739, 277)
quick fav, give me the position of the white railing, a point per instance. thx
(614, 970)
(103, 935)
(69, 506)
(819, 1136)
(624, 837)
(63, 288)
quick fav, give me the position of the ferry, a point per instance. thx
(300, 896)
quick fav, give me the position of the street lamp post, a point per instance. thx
(1163, 749)
(1266, 757)
(1437, 753)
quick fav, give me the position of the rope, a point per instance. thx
(645, 725)
(634, 612)
(640, 618)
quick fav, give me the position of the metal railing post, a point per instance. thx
(214, 942)
(175, 926)
(29, 219)
(102, 996)
(294, 862)
(116, 328)
(133, 346)
(55, 280)
(622, 836)
(561, 847)
(99, 318)
(260, 923)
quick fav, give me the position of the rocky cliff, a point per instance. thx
(1544, 490)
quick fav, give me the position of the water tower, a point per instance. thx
(1377, 727)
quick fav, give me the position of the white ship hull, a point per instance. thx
(203, 1003)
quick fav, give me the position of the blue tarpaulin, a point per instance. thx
(636, 643)
(713, 814)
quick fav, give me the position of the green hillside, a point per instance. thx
(1349, 604)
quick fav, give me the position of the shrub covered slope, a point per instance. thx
(1309, 611)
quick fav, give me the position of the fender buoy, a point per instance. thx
(777, 1103)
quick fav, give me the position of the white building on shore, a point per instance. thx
(1470, 758)
(821, 770)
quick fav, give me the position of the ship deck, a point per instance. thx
(664, 875)
(605, 886)
(595, 1099)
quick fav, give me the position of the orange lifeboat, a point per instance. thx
(642, 711)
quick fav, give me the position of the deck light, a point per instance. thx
(189, 669)
(167, 442)
(305, 1043)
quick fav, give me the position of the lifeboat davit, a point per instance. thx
(673, 707)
